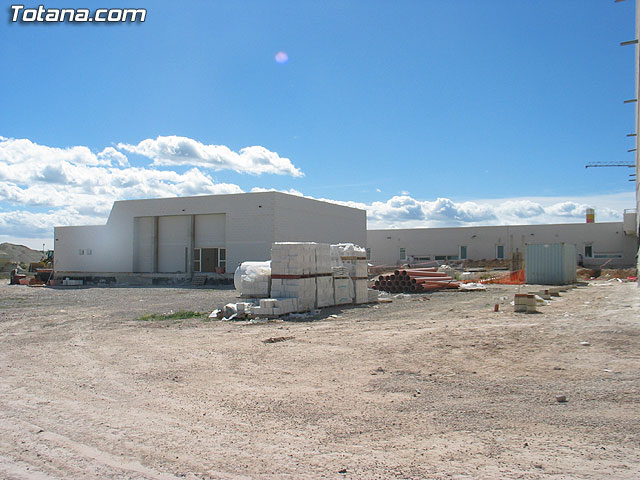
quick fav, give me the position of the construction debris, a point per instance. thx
(471, 287)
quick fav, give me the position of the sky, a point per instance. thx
(424, 113)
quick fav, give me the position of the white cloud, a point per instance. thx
(291, 191)
(30, 224)
(113, 157)
(79, 187)
(173, 150)
(407, 212)
(42, 187)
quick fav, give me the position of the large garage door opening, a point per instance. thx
(210, 260)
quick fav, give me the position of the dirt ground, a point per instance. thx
(430, 386)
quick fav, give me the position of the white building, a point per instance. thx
(596, 242)
(175, 238)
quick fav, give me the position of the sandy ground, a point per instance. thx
(436, 386)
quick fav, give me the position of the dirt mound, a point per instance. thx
(20, 253)
(605, 273)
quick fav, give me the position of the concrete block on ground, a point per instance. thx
(524, 303)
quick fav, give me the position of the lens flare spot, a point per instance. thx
(281, 57)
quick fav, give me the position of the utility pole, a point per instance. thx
(637, 110)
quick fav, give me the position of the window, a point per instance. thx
(500, 252)
(196, 259)
(222, 259)
(463, 252)
(607, 255)
(368, 253)
(81, 251)
(88, 251)
(588, 251)
(403, 254)
(446, 258)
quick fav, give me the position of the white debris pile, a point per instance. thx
(233, 311)
(252, 279)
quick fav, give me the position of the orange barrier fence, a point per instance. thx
(513, 278)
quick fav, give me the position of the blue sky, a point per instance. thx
(423, 112)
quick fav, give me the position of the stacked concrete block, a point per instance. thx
(356, 268)
(323, 258)
(343, 291)
(354, 260)
(276, 306)
(315, 274)
(361, 294)
(293, 258)
(325, 294)
(373, 295)
(302, 289)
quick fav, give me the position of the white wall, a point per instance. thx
(481, 242)
(305, 220)
(144, 243)
(245, 224)
(86, 248)
(210, 230)
(174, 233)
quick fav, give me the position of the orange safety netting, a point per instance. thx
(513, 278)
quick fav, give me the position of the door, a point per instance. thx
(208, 259)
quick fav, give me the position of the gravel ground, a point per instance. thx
(429, 386)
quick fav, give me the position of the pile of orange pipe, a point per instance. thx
(415, 280)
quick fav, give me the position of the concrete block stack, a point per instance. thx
(295, 268)
(293, 258)
(324, 291)
(301, 289)
(275, 306)
(324, 280)
(343, 290)
(354, 258)
(323, 258)
(306, 275)
(524, 303)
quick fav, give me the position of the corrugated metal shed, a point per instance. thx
(550, 263)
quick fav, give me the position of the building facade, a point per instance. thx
(180, 237)
(597, 244)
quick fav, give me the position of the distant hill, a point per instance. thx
(20, 253)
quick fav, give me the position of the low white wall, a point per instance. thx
(482, 242)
